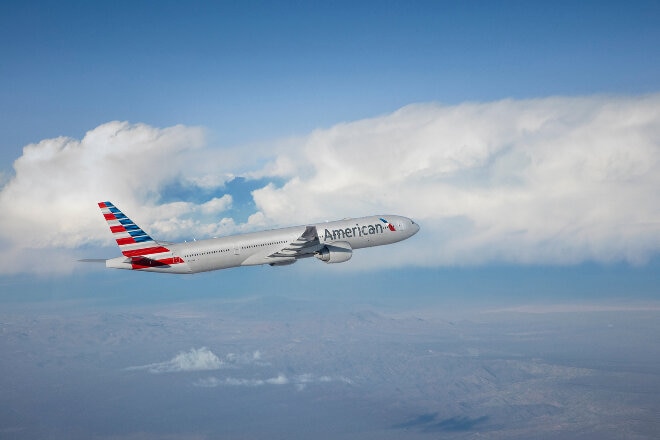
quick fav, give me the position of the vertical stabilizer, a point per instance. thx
(131, 239)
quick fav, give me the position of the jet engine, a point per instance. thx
(337, 252)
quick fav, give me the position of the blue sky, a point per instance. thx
(257, 90)
(253, 70)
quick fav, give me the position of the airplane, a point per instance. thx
(330, 242)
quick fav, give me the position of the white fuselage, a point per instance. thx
(270, 247)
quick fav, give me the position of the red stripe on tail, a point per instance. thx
(145, 251)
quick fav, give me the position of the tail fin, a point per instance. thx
(132, 240)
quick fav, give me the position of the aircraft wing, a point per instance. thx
(303, 246)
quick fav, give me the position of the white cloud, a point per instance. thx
(553, 180)
(556, 180)
(202, 359)
(50, 201)
(197, 359)
(298, 381)
(47, 202)
(279, 380)
(253, 358)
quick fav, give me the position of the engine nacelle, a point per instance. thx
(337, 252)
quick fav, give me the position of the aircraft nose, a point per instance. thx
(414, 227)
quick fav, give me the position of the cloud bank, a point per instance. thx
(556, 180)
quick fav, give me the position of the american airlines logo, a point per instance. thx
(358, 231)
